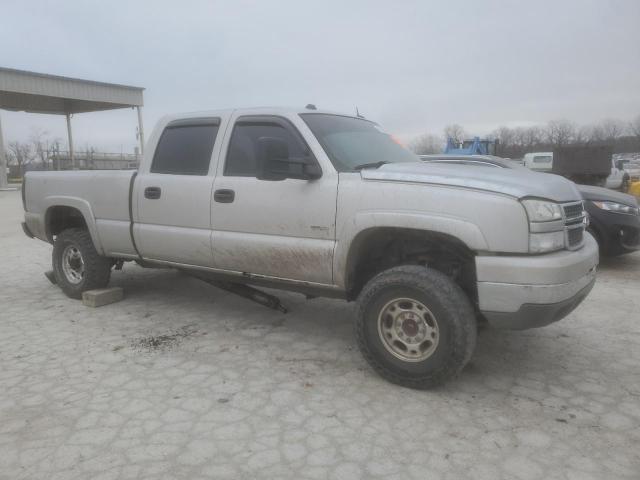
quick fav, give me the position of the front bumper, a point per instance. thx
(535, 290)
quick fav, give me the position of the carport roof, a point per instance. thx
(42, 93)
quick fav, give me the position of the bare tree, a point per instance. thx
(526, 138)
(611, 129)
(21, 154)
(508, 145)
(532, 136)
(454, 132)
(587, 134)
(40, 145)
(515, 142)
(506, 136)
(560, 132)
(634, 127)
(426, 144)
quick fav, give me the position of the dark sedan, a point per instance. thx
(614, 216)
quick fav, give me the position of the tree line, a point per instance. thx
(35, 150)
(514, 142)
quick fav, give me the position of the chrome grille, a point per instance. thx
(575, 236)
(574, 224)
(573, 210)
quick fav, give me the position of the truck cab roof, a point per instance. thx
(283, 111)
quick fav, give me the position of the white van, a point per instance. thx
(539, 161)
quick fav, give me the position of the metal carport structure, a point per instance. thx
(42, 93)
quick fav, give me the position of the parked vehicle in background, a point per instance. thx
(327, 204)
(582, 167)
(583, 164)
(619, 178)
(614, 217)
(630, 163)
(538, 161)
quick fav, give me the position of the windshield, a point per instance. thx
(542, 159)
(353, 142)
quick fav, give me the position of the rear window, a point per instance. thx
(185, 147)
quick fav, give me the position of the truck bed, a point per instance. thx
(102, 195)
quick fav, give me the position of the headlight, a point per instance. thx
(546, 226)
(617, 207)
(542, 211)
(546, 242)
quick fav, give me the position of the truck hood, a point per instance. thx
(606, 195)
(513, 182)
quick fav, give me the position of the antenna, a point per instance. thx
(358, 113)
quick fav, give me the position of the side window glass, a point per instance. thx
(185, 149)
(241, 155)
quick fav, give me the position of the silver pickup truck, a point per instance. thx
(327, 204)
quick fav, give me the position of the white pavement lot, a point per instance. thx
(181, 380)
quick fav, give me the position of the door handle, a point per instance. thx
(152, 193)
(224, 195)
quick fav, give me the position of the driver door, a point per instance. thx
(284, 228)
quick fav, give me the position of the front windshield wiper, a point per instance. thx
(362, 166)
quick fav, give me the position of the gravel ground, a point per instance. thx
(181, 380)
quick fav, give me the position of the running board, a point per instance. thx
(245, 291)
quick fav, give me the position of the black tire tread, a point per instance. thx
(452, 297)
(97, 269)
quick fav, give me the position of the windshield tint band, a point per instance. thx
(351, 141)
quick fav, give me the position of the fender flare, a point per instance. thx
(79, 204)
(466, 232)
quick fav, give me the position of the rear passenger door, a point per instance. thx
(283, 229)
(172, 221)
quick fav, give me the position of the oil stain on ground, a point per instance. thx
(165, 341)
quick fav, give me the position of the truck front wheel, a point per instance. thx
(415, 326)
(76, 264)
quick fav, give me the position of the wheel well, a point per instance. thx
(379, 249)
(60, 218)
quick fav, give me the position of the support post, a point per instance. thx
(140, 129)
(3, 161)
(70, 137)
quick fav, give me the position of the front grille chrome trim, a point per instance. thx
(575, 221)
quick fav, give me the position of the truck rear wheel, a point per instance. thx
(415, 326)
(76, 264)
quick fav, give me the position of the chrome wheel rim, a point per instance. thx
(72, 264)
(408, 329)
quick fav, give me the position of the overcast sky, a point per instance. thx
(413, 66)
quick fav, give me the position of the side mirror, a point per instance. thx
(274, 162)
